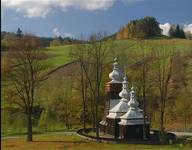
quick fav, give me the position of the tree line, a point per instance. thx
(140, 29)
(148, 27)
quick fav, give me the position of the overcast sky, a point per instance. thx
(75, 17)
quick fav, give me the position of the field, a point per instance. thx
(60, 54)
(73, 142)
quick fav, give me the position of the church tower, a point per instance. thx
(112, 90)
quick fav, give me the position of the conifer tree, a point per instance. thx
(19, 33)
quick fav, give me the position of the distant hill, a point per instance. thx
(45, 40)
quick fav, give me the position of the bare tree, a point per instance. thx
(79, 53)
(144, 70)
(92, 59)
(162, 78)
(25, 75)
(142, 59)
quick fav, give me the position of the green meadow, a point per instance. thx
(60, 141)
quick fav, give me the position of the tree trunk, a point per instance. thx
(93, 114)
(96, 122)
(162, 120)
(185, 120)
(144, 100)
(98, 97)
(29, 125)
(144, 122)
(84, 116)
(83, 89)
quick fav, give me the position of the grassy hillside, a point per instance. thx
(172, 44)
(61, 54)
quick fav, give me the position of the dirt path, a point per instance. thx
(180, 134)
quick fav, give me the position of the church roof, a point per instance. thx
(134, 115)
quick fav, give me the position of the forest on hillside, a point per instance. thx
(148, 27)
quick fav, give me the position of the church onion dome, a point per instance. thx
(116, 75)
(122, 107)
(124, 94)
(134, 112)
(133, 102)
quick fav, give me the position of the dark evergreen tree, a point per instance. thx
(179, 33)
(176, 32)
(172, 31)
(60, 38)
(19, 32)
(151, 26)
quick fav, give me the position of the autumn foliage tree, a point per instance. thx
(140, 29)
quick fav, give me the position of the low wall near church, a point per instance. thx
(154, 139)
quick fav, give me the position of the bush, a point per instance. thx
(167, 138)
(163, 138)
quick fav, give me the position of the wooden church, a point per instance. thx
(123, 118)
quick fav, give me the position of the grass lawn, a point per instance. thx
(61, 54)
(73, 142)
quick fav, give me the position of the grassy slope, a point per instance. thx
(172, 44)
(73, 142)
(61, 54)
